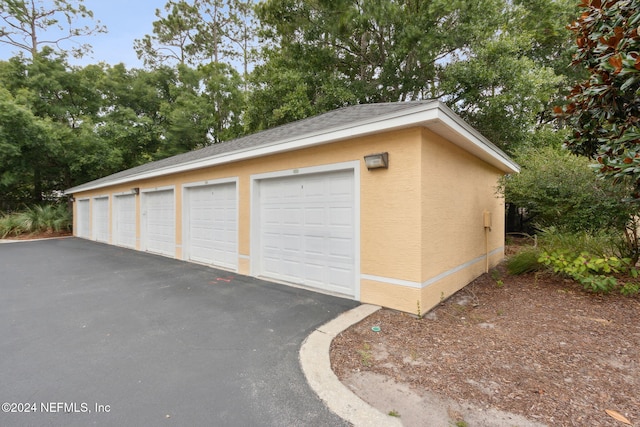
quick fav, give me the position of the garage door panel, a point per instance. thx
(124, 224)
(212, 224)
(83, 211)
(100, 214)
(307, 230)
(315, 216)
(341, 247)
(288, 216)
(341, 216)
(291, 243)
(315, 188)
(337, 277)
(314, 246)
(159, 214)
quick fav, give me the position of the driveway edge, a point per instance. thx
(316, 366)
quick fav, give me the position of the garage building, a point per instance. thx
(392, 204)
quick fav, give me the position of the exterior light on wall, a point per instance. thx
(72, 199)
(135, 190)
(376, 161)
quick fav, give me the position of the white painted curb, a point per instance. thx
(316, 366)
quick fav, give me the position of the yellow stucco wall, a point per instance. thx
(419, 218)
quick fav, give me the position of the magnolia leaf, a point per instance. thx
(617, 416)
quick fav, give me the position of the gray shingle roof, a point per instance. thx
(342, 118)
(331, 120)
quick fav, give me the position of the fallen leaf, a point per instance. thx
(617, 416)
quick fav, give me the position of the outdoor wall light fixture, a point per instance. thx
(135, 190)
(377, 161)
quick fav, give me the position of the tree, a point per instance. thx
(351, 51)
(604, 109)
(493, 61)
(23, 142)
(199, 32)
(174, 37)
(559, 189)
(67, 106)
(501, 91)
(25, 21)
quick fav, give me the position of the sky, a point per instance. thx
(126, 20)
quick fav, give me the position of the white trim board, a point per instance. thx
(434, 279)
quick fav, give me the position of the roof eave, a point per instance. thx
(435, 116)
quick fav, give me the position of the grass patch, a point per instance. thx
(525, 261)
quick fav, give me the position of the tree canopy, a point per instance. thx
(604, 108)
(500, 64)
(495, 62)
(24, 23)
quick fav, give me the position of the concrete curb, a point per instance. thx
(316, 366)
(6, 241)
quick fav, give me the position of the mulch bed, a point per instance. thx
(535, 345)
(40, 235)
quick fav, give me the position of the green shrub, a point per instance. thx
(525, 261)
(630, 289)
(37, 219)
(603, 242)
(9, 225)
(561, 190)
(47, 218)
(594, 273)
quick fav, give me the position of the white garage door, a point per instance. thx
(307, 230)
(124, 220)
(212, 225)
(100, 214)
(158, 222)
(83, 218)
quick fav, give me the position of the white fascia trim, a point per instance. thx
(426, 115)
(472, 137)
(431, 281)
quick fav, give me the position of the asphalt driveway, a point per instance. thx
(92, 334)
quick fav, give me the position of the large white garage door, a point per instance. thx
(83, 218)
(158, 222)
(307, 230)
(124, 220)
(100, 214)
(212, 228)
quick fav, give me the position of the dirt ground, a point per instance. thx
(505, 351)
(41, 235)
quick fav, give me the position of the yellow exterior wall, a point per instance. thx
(419, 218)
(458, 189)
(454, 190)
